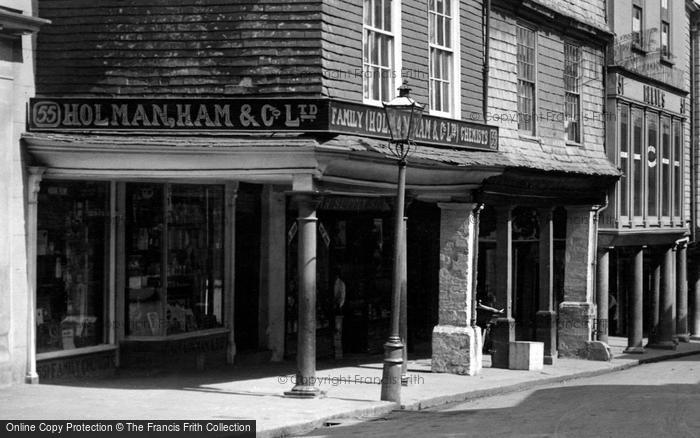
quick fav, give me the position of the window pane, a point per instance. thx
(652, 163)
(637, 135)
(664, 39)
(195, 258)
(448, 32)
(624, 161)
(144, 259)
(378, 16)
(677, 168)
(387, 15)
(666, 182)
(71, 248)
(367, 12)
(637, 25)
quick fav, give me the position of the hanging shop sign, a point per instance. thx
(245, 115)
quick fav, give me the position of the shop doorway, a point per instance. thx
(247, 278)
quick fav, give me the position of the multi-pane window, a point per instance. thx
(652, 190)
(637, 25)
(526, 80)
(441, 54)
(624, 160)
(572, 82)
(665, 28)
(378, 50)
(637, 169)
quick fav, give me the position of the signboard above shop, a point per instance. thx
(245, 115)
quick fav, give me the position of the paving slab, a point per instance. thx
(352, 388)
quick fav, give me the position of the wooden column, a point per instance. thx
(696, 299)
(33, 183)
(682, 293)
(654, 297)
(667, 324)
(546, 317)
(305, 386)
(231, 193)
(635, 308)
(602, 295)
(503, 331)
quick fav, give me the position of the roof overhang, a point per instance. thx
(15, 23)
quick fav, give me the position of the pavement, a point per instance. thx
(352, 389)
(654, 400)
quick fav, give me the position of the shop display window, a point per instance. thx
(72, 245)
(174, 258)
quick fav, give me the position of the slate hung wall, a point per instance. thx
(245, 48)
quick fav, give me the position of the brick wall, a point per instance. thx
(180, 47)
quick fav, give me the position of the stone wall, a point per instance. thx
(16, 86)
(456, 345)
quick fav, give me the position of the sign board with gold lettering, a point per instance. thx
(245, 115)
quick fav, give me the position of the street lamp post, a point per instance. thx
(403, 115)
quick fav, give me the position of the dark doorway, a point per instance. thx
(247, 278)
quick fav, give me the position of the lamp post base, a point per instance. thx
(391, 375)
(301, 391)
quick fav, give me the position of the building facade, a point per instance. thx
(193, 163)
(18, 23)
(537, 246)
(199, 178)
(644, 231)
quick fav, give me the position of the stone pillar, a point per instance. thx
(667, 323)
(576, 311)
(654, 293)
(503, 331)
(546, 317)
(696, 299)
(306, 336)
(602, 295)
(456, 344)
(34, 181)
(682, 293)
(635, 308)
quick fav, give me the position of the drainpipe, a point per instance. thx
(487, 50)
(693, 133)
(596, 220)
(476, 214)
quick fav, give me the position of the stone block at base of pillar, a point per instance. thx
(634, 350)
(575, 319)
(524, 355)
(662, 345)
(684, 337)
(305, 392)
(597, 350)
(456, 350)
(546, 332)
(695, 337)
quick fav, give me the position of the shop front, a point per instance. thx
(164, 244)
